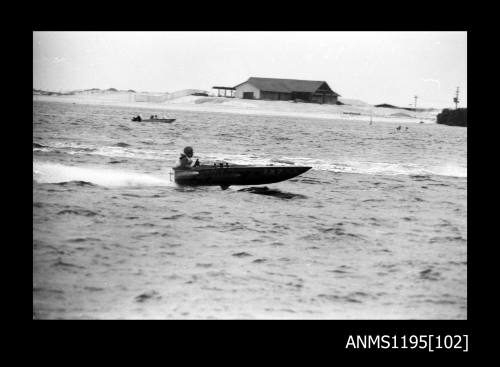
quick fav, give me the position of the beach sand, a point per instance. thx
(353, 110)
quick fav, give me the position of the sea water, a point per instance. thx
(375, 230)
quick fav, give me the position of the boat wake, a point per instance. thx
(45, 172)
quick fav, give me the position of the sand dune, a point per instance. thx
(351, 110)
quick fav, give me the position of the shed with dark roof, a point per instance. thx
(317, 91)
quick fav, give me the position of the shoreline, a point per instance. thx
(250, 107)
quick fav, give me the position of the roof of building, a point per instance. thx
(288, 85)
(226, 88)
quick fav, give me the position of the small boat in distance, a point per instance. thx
(152, 119)
(225, 175)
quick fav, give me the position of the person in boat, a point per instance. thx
(185, 160)
(152, 117)
(138, 118)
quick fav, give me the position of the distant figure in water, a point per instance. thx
(152, 117)
(398, 128)
(406, 128)
(185, 160)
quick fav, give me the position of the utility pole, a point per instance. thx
(456, 100)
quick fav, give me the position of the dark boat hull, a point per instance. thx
(235, 175)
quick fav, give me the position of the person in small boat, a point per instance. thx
(138, 118)
(185, 160)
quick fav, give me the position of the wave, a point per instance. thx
(78, 211)
(118, 150)
(45, 172)
(451, 170)
(410, 169)
(269, 192)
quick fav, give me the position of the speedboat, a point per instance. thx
(225, 175)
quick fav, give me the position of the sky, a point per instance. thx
(375, 67)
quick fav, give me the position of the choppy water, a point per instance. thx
(377, 229)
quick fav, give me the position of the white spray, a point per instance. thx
(44, 172)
